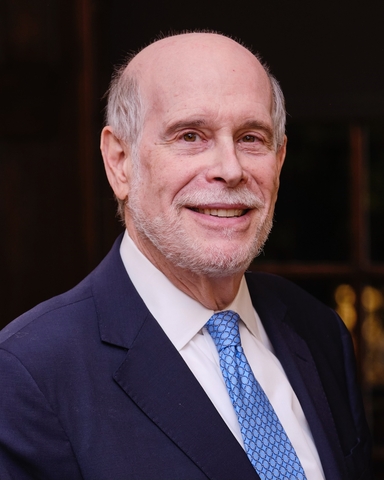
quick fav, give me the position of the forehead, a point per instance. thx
(201, 73)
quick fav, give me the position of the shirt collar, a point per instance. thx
(180, 316)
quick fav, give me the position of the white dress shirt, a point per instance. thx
(183, 318)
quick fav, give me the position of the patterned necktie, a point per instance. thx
(266, 443)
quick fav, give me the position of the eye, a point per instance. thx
(249, 138)
(190, 137)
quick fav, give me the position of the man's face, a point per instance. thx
(203, 195)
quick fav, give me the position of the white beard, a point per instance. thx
(168, 234)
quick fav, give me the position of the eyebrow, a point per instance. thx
(258, 125)
(180, 125)
(196, 123)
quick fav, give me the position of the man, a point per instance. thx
(126, 376)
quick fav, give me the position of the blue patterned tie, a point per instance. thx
(266, 443)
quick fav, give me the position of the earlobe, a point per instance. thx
(116, 158)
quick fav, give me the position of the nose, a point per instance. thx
(226, 166)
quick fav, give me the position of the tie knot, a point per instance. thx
(224, 329)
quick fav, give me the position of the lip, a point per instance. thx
(215, 221)
(221, 212)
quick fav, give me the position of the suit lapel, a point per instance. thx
(300, 368)
(180, 407)
(157, 379)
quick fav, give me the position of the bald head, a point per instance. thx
(172, 65)
(173, 60)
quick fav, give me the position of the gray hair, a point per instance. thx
(125, 115)
(278, 111)
(125, 111)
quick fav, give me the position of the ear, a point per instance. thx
(280, 154)
(117, 162)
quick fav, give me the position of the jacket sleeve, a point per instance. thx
(33, 444)
(359, 458)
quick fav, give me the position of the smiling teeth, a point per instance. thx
(221, 212)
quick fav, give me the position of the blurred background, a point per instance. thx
(57, 211)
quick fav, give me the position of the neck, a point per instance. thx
(214, 293)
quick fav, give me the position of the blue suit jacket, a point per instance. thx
(91, 388)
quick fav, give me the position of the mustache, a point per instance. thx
(234, 196)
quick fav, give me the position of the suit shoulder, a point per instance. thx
(69, 306)
(288, 291)
(40, 318)
(304, 310)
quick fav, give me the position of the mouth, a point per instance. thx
(221, 212)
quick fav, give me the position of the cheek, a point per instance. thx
(267, 180)
(157, 190)
(151, 173)
(164, 176)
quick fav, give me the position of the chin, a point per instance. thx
(215, 263)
